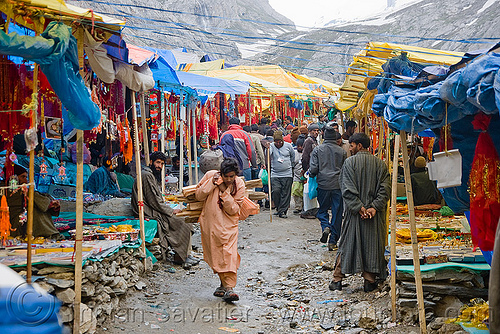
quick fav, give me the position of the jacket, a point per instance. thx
(243, 145)
(326, 162)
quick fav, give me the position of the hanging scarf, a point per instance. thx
(484, 181)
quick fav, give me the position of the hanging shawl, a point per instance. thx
(484, 183)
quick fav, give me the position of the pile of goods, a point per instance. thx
(404, 236)
(193, 207)
(475, 314)
(122, 232)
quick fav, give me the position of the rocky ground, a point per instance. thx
(283, 287)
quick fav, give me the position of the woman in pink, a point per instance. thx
(222, 193)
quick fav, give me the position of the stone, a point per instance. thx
(413, 303)
(121, 287)
(367, 323)
(67, 296)
(112, 207)
(88, 321)
(448, 307)
(46, 286)
(66, 313)
(88, 290)
(67, 276)
(140, 285)
(112, 269)
(61, 283)
(54, 270)
(293, 324)
(436, 324)
(449, 329)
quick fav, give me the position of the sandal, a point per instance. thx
(230, 296)
(220, 291)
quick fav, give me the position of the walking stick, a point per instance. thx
(269, 183)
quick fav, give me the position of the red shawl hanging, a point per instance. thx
(484, 184)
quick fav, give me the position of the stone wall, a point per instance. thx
(103, 284)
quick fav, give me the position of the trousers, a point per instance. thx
(281, 193)
(330, 200)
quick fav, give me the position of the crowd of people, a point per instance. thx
(352, 185)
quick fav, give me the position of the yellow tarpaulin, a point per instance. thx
(330, 87)
(202, 68)
(32, 14)
(368, 63)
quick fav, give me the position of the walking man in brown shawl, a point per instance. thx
(172, 230)
(365, 186)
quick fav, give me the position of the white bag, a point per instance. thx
(309, 203)
(446, 169)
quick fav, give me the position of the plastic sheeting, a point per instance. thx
(467, 91)
(26, 308)
(57, 53)
(209, 85)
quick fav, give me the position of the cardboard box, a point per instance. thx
(62, 191)
(401, 190)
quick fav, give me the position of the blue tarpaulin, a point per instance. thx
(208, 85)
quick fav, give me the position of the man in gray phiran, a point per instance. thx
(326, 162)
(172, 230)
(365, 186)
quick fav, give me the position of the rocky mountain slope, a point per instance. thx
(252, 32)
(441, 24)
(214, 27)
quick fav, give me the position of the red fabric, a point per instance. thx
(484, 183)
(14, 92)
(288, 138)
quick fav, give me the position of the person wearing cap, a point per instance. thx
(103, 181)
(172, 230)
(309, 145)
(45, 206)
(243, 147)
(326, 162)
(424, 190)
(282, 160)
(259, 150)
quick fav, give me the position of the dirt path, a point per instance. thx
(284, 273)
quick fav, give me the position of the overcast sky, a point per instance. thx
(311, 13)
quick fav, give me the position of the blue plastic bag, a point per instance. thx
(313, 187)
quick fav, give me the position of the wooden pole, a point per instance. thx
(140, 198)
(269, 183)
(163, 111)
(182, 115)
(195, 148)
(79, 208)
(393, 226)
(145, 137)
(31, 177)
(414, 241)
(188, 144)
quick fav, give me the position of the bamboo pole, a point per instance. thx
(269, 183)
(31, 177)
(195, 148)
(188, 144)
(162, 134)
(140, 198)
(393, 226)
(145, 137)
(414, 241)
(79, 209)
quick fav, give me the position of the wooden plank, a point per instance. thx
(195, 148)
(269, 183)
(188, 213)
(253, 184)
(414, 240)
(449, 290)
(393, 226)
(195, 206)
(256, 195)
(189, 190)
